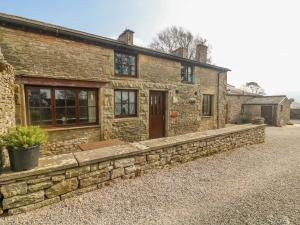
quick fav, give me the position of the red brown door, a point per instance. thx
(156, 114)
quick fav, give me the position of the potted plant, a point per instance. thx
(23, 145)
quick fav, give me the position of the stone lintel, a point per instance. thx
(46, 165)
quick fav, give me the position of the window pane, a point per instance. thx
(117, 96)
(124, 109)
(132, 70)
(132, 110)
(60, 97)
(84, 115)
(34, 97)
(35, 116)
(132, 97)
(91, 98)
(117, 109)
(83, 98)
(125, 69)
(92, 114)
(132, 60)
(60, 116)
(70, 97)
(125, 97)
(46, 117)
(45, 97)
(71, 115)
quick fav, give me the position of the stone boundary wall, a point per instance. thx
(67, 175)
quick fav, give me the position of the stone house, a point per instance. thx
(244, 106)
(85, 88)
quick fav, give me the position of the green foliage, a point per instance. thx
(24, 137)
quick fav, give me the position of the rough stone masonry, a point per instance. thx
(64, 176)
(7, 100)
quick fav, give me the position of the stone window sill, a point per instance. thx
(126, 118)
(208, 117)
(71, 128)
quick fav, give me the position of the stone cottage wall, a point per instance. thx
(60, 177)
(7, 100)
(38, 55)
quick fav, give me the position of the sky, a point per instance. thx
(259, 40)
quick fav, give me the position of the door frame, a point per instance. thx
(166, 109)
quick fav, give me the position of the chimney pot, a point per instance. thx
(126, 37)
(201, 53)
(181, 52)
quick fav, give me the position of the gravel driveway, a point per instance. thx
(252, 185)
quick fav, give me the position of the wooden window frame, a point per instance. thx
(136, 105)
(53, 105)
(207, 104)
(186, 66)
(135, 61)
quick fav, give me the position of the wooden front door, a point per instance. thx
(267, 113)
(156, 114)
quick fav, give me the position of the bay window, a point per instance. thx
(59, 106)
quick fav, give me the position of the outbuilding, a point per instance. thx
(274, 109)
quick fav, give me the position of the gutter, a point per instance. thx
(218, 100)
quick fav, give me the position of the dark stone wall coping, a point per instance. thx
(60, 162)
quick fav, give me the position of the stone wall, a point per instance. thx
(7, 100)
(47, 56)
(251, 111)
(283, 113)
(234, 107)
(295, 114)
(64, 176)
(66, 140)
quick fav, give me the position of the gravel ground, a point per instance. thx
(252, 185)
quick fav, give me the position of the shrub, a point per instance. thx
(24, 137)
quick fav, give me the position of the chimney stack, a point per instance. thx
(201, 53)
(127, 37)
(181, 52)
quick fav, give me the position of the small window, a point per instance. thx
(50, 106)
(207, 105)
(125, 103)
(281, 108)
(187, 74)
(125, 64)
(243, 109)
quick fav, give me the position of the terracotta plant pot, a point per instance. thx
(24, 159)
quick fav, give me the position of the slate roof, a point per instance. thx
(59, 31)
(266, 100)
(232, 90)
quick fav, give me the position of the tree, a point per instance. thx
(253, 88)
(174, 37)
